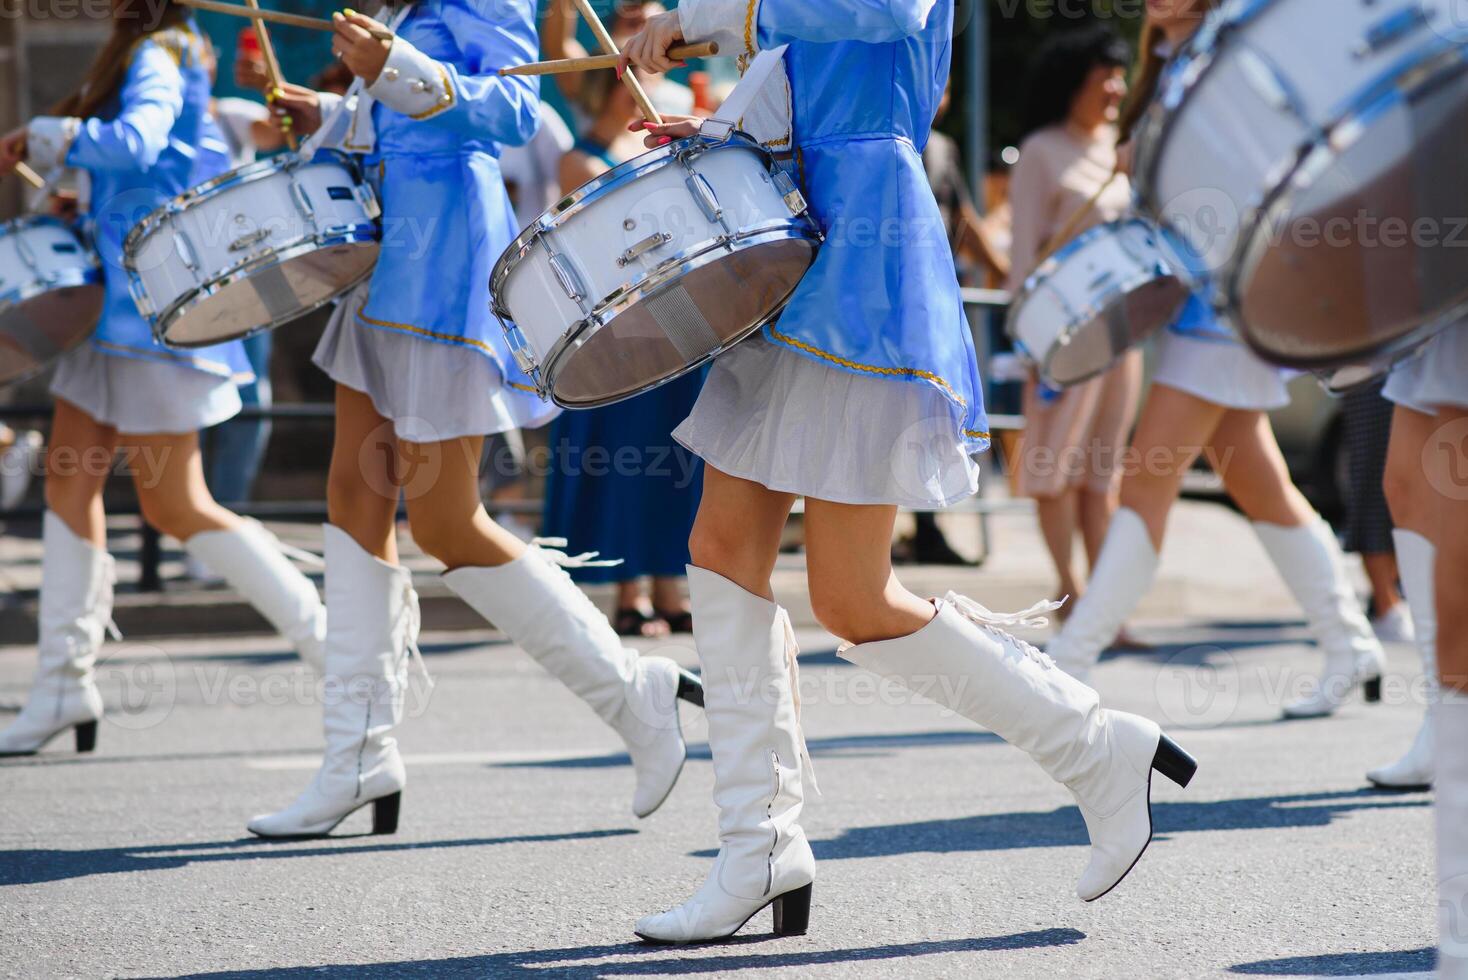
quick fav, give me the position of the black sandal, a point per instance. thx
(678, 622)
(634, 622)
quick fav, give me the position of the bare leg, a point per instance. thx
(77, 466)
(1447, 478)
(1412, 502)
(168, 473)
(1170, 435)
(363, 485)
(1381, 569)
(737, 531)
(440, 482)
(853, 591)
(1253, 470)
(1096, 510)
(1058, 517)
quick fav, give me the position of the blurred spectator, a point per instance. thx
(1368, 531)
(620, 484)
(558, 40)
(533, 172)
(1072, 438)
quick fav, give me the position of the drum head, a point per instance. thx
(677, 327)
(1124, 322)
(36, 332)
(270, 296)
(1366, 252)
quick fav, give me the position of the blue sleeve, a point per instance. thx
(829, 21)
(152, 99)
(492, 34)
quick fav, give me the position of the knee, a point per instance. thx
(170, 514)
(440, 539)
(1402, 494)
(717, 549)
(852, 616)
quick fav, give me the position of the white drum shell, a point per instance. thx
(239, 226)
(51, 294)
(1073, 290)
(1236, 113)
(631, 235)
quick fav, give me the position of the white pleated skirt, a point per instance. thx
(1221, 372)
(143, 397)
(430, 391)
(1435, 376)
(795, 425)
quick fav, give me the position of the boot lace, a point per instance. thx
(550, 550)
(792, 665)
(998, 624)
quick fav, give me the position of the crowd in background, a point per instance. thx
(642, 513)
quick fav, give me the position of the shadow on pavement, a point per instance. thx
(30, 867)
(1063, 826)
(846, 747)
(635, 959)
(1343, 964)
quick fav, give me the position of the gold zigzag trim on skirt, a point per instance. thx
(447, 337)
(889, 371)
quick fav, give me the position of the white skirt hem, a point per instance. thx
(139, 396)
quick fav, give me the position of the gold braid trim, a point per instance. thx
(888, 371)
(447, 337)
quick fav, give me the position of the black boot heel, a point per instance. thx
(1371, 690)
(792, 912)
(385, 813)
(690, 688)
(86, 736)
(1173, 762)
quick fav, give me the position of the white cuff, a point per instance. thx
(48, 139)
(412, 83)
(734, 24)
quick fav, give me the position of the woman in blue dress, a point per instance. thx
(139, 127)
(620, 485)
(422, 375)
(864, 396)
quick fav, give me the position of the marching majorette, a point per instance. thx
(422, 376)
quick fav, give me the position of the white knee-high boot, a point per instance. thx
(252, 561)
(1105, 758)
(1124, 572)
(76, 612)
(1450, 729)
(373, 621)
(760, 766)
(1311, 562)
(536, 604)
(1416, 557)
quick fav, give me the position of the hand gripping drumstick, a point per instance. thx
(274, 17)
(679, 52)
(608, 46)
(29, 176)
(272, 67)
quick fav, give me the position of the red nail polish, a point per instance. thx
(664, 140)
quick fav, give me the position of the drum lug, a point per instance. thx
(794, 200)
(367, 197)
(184, 246)
(703, 193)
(303, 203)
(565, 274)
(648, 244)
(1392, 29)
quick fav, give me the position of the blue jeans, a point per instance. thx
(233, 450)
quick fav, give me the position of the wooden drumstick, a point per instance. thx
(681, 52)
(272, 67)
(274, 17)
(28, 175)
(629, 79)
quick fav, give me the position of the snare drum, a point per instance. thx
(51, 294)
(653, 268)
(1320, 185)
(252, 249)
(1095, 299)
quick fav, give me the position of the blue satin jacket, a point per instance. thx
(446, 215)
(154, 140)
(865, 80)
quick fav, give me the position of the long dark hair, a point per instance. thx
(1147, 76)
(132, 22)
(1060, 67)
